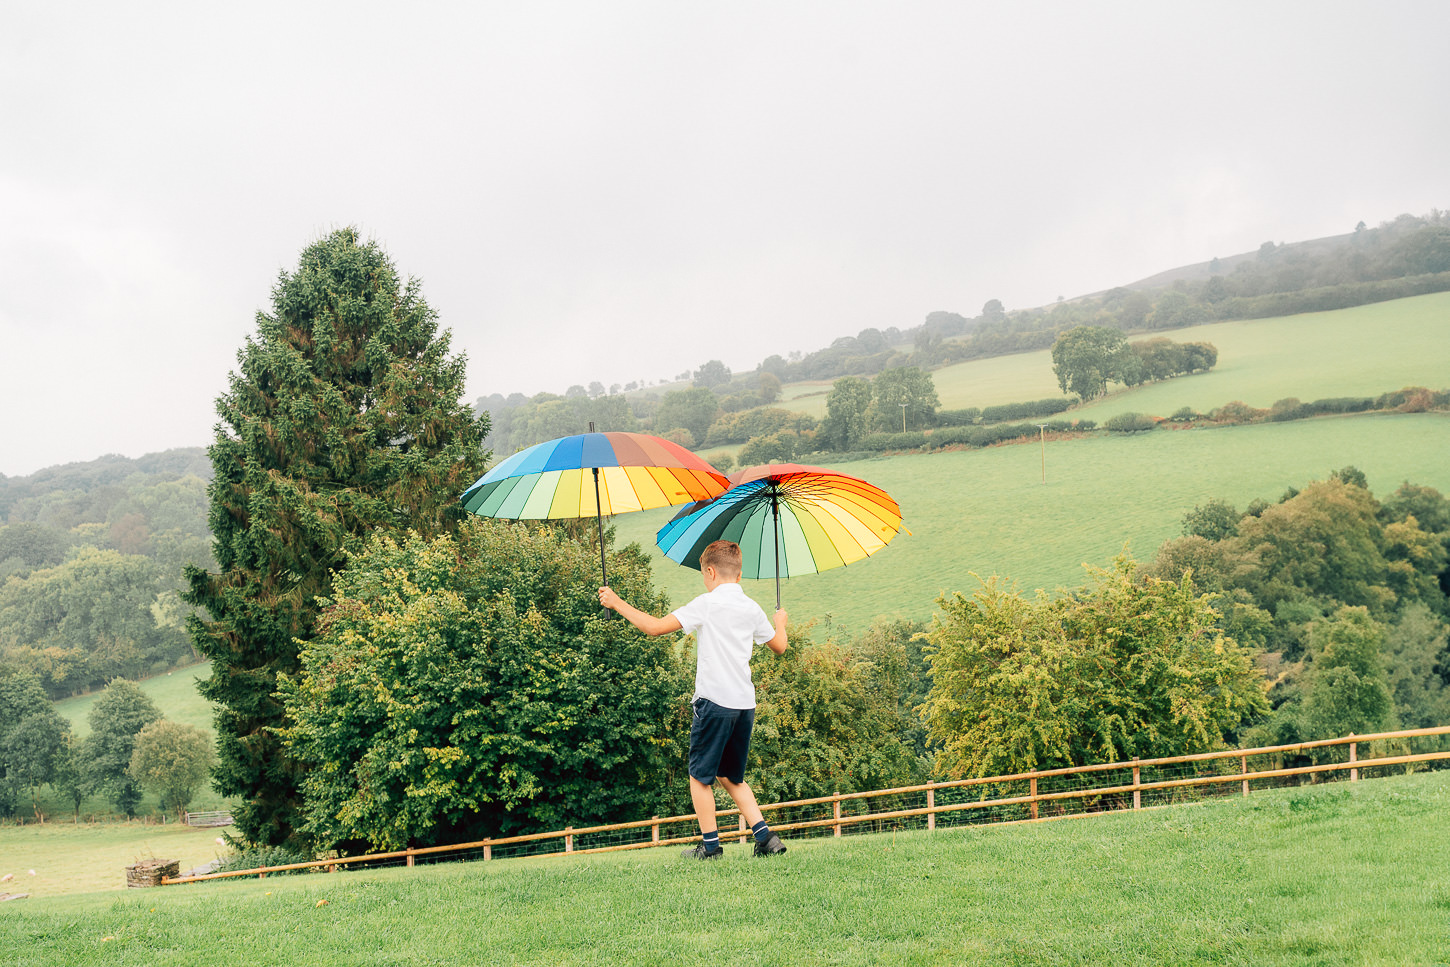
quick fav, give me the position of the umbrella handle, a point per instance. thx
(599, 519)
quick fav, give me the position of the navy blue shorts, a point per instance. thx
(719, 741)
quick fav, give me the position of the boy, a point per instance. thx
(726, 625)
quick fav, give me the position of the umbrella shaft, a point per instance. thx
(775, 514)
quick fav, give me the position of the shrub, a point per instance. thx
(1186, 414)
(1130, 423)
(782, 447)
(964, 417)
(681, 436)
(1339, 404)
(1026, 411)
(878, 442)
(257, 857)
(1237, 412)
(1289, 408)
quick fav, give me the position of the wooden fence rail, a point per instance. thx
(1105, 794)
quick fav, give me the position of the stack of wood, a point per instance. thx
(150, 872)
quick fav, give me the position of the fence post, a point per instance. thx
(1244, 768)
(1137, 793)
(836, 813)
(487, 852)
(654, 831)
(410, 856)
(931, 804)
(1353, 757)
(1033, 790)
(568, 839)
(743, 827)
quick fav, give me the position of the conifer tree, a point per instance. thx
(344, 419)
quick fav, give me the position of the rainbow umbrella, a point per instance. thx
(788, 519)
(590, 475)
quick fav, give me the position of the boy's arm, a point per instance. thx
(647, 623)
(778, 643)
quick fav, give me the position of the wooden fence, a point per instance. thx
(215, 817)
(1025, 797)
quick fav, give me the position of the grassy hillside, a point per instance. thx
(174, 693)
(988, 512)
(1335, 874)
(1366, 350)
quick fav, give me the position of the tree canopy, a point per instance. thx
(469, 686)
(1119, 669)
(343, 419)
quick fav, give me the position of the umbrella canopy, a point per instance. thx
(557, 479)
(592, 474)
(788, 519)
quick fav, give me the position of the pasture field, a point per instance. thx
(1334, 874)
(987, 511)
(1361, 351)
(175, 694)
(68, 858)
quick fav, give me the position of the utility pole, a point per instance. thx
(1042, 437)
(903, 417)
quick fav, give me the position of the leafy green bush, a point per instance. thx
(1021, 684)
(471, 687)
(1026, 411)
(1130, 423)
(257, 857)
(1289, 408)
(879, 442)
(964, 417)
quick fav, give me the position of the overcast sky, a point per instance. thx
(622, 190)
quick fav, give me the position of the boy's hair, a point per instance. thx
(723, 556)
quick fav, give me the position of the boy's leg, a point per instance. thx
(744, 798)
(732, 777)
(703, 798)
(709, 732)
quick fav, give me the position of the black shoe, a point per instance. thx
(771, 847)
(701, 853)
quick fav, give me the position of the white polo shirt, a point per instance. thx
(727, 625)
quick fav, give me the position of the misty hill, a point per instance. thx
(1407, 256)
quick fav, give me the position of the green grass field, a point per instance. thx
(172, 692)
(1363, 351)
(175, 694)
(988, 512)
(1336, 874)
(69, 858)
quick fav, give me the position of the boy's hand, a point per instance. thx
(780, 618)
(609, 599)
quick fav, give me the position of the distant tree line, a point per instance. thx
(91, 559)
(1407, 256)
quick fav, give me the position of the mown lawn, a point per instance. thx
(1328, 875)
(987, 511)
